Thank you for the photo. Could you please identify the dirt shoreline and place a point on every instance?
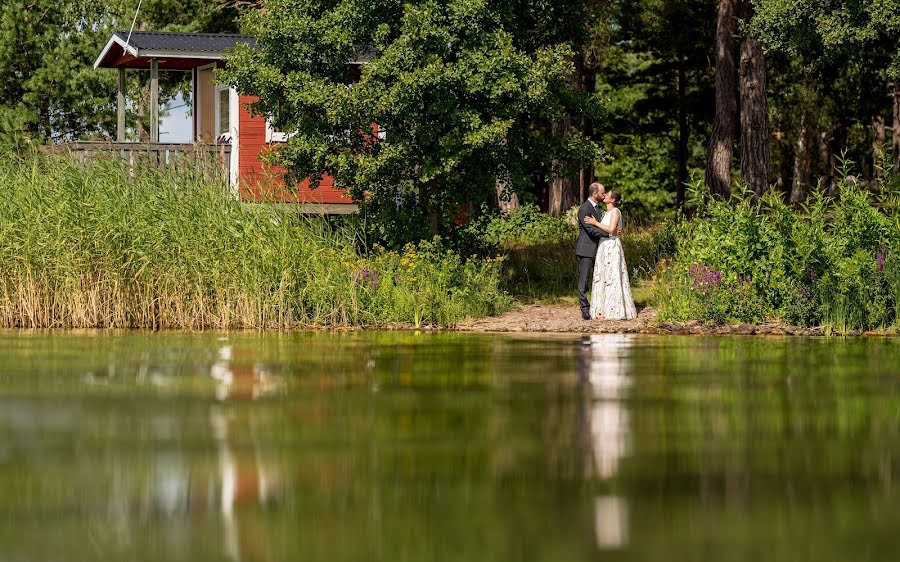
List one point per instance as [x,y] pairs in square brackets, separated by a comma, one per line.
[566,318]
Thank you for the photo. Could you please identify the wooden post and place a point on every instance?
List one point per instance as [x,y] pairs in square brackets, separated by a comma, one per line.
[120,108]
[154,100]
[195,116]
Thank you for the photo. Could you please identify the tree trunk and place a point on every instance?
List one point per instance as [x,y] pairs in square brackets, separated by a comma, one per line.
[718,157]
[588,78]
[755,118]
[507,199]
[564,190]
[827,158]
[802,162]
[568,191]
[878,135]
[683,138]
[896,128]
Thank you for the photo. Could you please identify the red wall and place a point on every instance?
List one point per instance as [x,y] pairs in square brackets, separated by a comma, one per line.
[258,180]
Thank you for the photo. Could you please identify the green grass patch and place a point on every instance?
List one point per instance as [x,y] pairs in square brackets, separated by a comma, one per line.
[539,255]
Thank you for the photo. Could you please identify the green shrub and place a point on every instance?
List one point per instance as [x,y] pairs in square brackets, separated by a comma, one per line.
[539,271]
[427,283]
[831,262]
[524,225]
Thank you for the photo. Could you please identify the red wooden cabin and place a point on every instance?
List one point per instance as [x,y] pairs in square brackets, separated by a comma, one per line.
[220,114]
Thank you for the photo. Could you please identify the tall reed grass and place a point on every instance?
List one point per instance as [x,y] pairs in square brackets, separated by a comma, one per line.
[104,245]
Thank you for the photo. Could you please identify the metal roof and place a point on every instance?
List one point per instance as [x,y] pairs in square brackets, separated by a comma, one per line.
[180,50]
[184,42]
[144,45]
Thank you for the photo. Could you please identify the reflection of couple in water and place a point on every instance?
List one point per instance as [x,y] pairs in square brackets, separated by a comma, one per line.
[606,430]
[602,259]
[606,424]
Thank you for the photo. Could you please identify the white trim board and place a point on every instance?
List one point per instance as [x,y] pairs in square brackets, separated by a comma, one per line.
[234,123]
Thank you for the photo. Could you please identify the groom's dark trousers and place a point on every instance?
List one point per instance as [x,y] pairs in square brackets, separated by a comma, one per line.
[586,250]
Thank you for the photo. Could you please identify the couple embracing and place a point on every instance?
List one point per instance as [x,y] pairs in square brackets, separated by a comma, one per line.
[601,258]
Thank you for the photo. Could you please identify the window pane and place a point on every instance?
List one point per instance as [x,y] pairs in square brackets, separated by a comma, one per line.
[224,125]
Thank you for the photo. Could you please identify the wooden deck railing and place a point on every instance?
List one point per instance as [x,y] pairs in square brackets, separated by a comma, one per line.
[151,154]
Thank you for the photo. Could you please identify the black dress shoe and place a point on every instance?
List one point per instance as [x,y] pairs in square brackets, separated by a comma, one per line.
[585,316]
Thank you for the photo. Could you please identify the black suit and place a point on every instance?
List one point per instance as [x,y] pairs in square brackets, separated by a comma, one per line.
[586,249]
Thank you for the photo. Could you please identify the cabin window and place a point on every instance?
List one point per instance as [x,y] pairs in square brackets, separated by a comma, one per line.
[273,134]
[223,107]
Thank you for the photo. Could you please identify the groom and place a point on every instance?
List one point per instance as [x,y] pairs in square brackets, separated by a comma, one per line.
[586,248]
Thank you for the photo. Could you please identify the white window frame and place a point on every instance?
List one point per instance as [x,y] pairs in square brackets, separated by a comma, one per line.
[274,136]
[217,103]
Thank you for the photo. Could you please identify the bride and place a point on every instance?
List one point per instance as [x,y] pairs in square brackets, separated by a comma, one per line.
[611,289]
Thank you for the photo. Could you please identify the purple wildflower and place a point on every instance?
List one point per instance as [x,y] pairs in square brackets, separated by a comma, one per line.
[361,274]
[705,278]
[368,275]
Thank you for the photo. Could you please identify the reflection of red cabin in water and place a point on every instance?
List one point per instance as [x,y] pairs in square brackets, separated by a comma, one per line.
[220,114]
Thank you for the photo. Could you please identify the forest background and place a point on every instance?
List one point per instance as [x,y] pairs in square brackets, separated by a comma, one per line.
[654,86]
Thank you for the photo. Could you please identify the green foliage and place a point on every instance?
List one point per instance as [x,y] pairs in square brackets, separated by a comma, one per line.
[643,170]
[49,89]
[100,245]
[523,226]
[653,73]
[540,271]
[832,32]
[539,250]
[832,64]
[833,262]
[428,283]
[463,91]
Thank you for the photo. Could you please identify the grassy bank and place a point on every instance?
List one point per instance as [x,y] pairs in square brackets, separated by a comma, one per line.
[99,245]
[539,254]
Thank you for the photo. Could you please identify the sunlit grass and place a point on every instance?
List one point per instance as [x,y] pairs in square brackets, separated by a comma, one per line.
[101,245]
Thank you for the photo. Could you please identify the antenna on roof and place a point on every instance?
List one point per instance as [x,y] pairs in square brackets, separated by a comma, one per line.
[136,12]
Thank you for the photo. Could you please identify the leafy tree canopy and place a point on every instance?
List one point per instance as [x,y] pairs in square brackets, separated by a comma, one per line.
[462,91]
[829,32]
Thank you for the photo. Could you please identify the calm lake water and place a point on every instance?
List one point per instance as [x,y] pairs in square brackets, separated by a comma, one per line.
[447,447]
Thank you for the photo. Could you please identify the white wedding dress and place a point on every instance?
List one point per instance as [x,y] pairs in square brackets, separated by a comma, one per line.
[611,289]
